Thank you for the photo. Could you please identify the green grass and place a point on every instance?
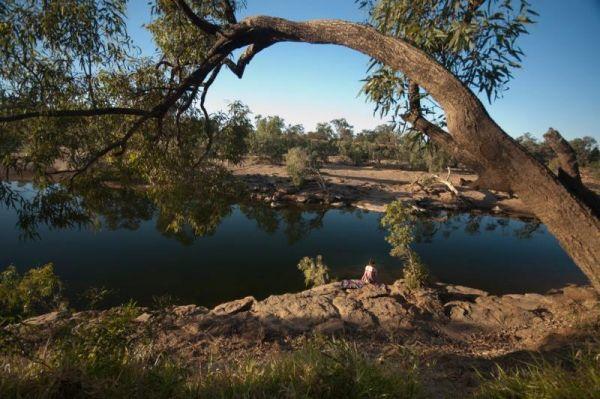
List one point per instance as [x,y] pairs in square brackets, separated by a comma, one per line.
[110,359]
[323,369]
[575,376]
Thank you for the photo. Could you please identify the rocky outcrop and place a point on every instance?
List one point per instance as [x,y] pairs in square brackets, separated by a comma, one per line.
[278,192]
[441,318]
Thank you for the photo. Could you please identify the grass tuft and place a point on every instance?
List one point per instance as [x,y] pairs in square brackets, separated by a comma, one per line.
[576,375]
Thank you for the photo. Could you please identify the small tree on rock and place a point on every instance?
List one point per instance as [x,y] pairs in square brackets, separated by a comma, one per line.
[315,271]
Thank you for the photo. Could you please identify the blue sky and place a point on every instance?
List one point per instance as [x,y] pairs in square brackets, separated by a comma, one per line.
[558,85]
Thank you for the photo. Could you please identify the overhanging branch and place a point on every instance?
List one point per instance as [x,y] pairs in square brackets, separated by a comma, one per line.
[253,49]
[201,23]
[229,12]
[74,113]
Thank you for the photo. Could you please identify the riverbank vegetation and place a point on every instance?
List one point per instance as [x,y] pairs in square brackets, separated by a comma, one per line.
[114,354]
[400,222]
[37,291]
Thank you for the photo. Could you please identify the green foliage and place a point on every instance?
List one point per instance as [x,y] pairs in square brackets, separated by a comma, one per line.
[77,55]
[315,271]
[321,142]
[268,141]
[415,272]
[95,296]
[99,345]
[540,150]
[300,165]
[37,291]
[193,207]
[400,223]
[50,49]
[297,165]
[107,358]
[322,369]
[586,149]
[574,376]
[234,129]
[475,40]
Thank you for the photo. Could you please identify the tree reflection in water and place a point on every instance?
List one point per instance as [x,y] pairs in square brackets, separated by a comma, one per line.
[186,210]
[446,223]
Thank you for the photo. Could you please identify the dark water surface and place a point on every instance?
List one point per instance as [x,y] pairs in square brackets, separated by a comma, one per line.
[254,251]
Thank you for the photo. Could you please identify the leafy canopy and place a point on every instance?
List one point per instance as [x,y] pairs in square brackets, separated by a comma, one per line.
[475,39]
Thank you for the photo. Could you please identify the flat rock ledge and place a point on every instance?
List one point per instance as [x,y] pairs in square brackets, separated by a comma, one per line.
[442,318]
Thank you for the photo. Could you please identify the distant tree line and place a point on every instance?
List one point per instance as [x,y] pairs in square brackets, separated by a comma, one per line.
[272,138]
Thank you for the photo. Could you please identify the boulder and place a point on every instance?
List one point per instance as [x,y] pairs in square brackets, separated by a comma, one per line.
[189,310]
[143,318]
[45,318]
[351,311]
[229,308]
[369,291]
[387,310]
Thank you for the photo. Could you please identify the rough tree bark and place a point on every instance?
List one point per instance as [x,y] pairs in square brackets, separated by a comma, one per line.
[568,165]
[568,169]
[472,135]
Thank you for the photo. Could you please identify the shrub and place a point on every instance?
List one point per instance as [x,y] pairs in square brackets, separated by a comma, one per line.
[400,224]
[93,297]
[298,165]
[314,270]
[36,292]
[415,273]
[104,358]
[268,140]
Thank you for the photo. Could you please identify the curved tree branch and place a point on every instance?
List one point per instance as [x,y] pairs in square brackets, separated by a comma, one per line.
[201,23]
[253,49]
[73,113]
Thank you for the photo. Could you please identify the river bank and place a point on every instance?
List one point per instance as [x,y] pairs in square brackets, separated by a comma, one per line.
[368,187]
[451,330]
[373,187]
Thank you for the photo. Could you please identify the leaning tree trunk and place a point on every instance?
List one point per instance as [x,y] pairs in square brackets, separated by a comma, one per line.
[473,136]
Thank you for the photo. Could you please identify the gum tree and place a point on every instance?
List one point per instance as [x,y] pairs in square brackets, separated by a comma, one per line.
[72,88]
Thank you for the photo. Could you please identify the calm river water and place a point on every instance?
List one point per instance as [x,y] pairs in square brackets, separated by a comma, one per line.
[254,251]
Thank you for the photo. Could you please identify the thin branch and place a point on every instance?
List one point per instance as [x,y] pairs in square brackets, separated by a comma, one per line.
[253,49]
[114,145]
[414,116]
[201,23]
[207,126]
[229,12]
[74,113]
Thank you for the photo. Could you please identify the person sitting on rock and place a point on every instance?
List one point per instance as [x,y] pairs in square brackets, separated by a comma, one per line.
[370,274]
[369,277]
